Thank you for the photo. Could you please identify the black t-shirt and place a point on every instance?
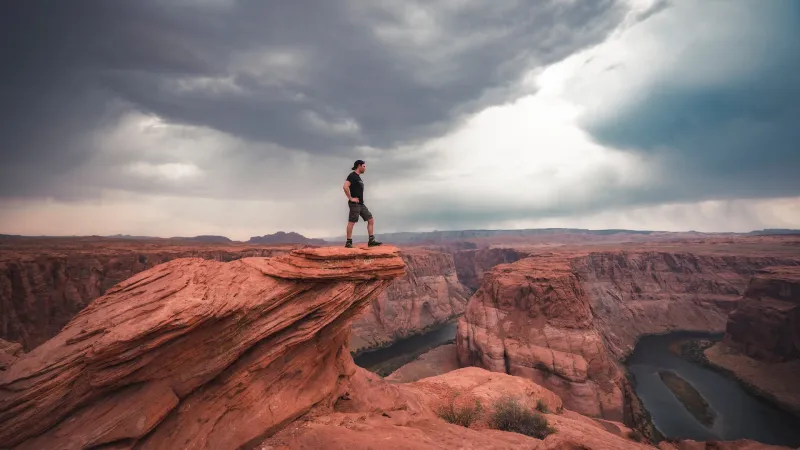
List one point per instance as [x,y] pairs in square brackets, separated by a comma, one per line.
[356,187]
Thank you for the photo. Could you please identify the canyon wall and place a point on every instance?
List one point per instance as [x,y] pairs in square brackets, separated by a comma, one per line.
[532,319]
[766,324]
[42,288]
[761,347]
[199,354]
[429,294]
[196,353]
[651,292]
[472,264]
[564,319]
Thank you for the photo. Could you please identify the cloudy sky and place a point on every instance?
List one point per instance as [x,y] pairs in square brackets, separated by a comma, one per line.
[242,118]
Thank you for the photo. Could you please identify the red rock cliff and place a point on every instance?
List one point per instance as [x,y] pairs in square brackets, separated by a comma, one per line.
[429,294]
[532,319]
[766,324]
[44,283]
[563,320]
[648,292]
[762,339]
[472,264]
[196,353]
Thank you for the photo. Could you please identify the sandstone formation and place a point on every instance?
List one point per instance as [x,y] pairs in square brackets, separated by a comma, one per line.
[196,353]
[428,295]
[374,414]
[762,339]
[9,352]
[634,293]
[253,353]
[472,264]
[564,318]
[45,282]
[438,361]
[532,318]
[766,324]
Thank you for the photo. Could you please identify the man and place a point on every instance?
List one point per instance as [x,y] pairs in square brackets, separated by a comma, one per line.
[354,190]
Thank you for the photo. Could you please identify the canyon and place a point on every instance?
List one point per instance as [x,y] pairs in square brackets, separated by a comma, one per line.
[45,282]
[428,295]
[761,347]
[565,318]
[254,353]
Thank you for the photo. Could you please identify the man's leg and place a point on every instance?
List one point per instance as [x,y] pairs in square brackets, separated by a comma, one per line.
[366,215]
[352,218]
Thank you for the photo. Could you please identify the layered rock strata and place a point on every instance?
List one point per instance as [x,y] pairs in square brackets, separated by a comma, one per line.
[45,284]
[533,319]
[196,353]
[564,319]
[637,293]
[9,352]
[472,264]
[761,346]
[428,295]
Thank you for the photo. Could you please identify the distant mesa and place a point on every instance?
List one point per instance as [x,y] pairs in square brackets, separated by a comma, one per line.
[285,238]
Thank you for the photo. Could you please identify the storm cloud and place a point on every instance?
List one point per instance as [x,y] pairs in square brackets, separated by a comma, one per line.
[323,77]
[242,117]
[720,119]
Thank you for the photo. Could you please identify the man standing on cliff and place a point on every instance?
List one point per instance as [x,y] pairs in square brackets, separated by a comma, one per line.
[354,190]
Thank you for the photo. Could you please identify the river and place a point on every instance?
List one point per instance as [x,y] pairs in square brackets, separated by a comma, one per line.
[386,360]
[739,414]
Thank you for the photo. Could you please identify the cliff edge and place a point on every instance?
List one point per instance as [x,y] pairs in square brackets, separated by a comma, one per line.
[196,353]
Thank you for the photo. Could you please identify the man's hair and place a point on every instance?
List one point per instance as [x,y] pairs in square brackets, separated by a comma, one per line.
[357,163]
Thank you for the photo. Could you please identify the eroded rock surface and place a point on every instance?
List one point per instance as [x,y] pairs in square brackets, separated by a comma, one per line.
[635,293]
[196,353]
[428,295]
[376,414]
[9,352]
[563,319]
[45,282]
[762,339]
[472,264]
[532,318]
[766,324]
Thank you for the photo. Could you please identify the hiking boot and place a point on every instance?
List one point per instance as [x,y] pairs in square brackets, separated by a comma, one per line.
[373,243]
[348,244]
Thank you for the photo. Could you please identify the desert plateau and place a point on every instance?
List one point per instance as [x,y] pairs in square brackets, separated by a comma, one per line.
[136,343]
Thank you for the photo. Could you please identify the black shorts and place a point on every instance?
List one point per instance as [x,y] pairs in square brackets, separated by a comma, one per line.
[357,209]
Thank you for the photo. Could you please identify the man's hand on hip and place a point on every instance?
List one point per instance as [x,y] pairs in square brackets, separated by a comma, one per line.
[354,199]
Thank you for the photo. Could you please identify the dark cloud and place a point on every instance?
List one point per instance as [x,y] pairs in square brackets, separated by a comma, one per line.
[321,77]
[735,137]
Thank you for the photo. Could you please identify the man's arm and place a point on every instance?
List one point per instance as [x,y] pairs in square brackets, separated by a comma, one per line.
[347,192]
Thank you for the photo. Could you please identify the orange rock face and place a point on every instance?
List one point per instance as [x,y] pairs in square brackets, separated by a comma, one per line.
[196,353]
[45,282]
[472,264]
[533,319]
[376,414]
[429,294]
[563,319]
